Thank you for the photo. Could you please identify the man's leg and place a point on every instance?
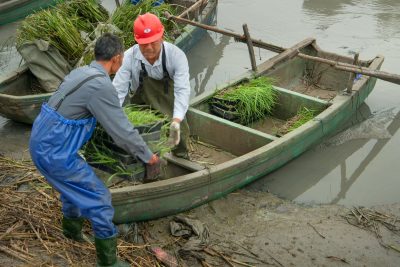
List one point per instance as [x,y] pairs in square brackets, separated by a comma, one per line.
[182,149]
[82,189]
[72,222]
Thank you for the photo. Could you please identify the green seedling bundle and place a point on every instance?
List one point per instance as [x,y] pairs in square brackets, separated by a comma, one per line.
[246,102]
[303,115]
[103,153]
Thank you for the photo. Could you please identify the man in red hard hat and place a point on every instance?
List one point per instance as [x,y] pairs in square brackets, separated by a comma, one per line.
[157,74]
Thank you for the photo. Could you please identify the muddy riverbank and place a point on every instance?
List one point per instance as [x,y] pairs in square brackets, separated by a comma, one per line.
[244,229]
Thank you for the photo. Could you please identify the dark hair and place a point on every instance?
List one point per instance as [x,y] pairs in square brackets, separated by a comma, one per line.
[108,46]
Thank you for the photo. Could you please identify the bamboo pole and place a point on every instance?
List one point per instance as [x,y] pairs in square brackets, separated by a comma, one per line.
[389,77]
[250,47]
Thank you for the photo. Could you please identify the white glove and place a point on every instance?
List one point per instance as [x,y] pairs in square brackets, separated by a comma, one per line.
[174,133]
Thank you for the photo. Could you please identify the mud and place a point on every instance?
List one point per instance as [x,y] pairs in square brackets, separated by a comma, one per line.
[272,231]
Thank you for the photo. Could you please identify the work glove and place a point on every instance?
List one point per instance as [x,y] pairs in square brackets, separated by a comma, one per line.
[153,168]
[174,133]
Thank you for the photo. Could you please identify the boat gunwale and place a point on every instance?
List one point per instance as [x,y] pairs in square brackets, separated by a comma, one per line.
[260,155]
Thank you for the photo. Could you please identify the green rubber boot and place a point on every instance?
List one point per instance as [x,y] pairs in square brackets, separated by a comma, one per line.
[72,228]
[106,250]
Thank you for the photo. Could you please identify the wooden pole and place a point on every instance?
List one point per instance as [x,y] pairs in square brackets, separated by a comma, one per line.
[352,75]
[237,37]
[250,47]
[389,77]
[117,3]
[193,7]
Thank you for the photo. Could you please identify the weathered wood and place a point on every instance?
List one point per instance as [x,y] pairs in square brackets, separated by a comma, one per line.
[352,75]
[187,164]
[238,37]
[393,78]
[192,8]
[250,47]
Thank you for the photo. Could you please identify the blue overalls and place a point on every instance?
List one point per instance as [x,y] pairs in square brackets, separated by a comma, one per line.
[54,146]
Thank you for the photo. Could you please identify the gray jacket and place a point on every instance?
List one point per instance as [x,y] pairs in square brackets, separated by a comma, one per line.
[98,98]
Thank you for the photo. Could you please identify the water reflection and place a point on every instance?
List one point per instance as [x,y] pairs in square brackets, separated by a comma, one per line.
[325,8]
[202,68]
[302,179]
[347,182]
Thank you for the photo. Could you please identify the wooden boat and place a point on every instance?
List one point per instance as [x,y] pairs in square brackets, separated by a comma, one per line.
[20,93]
[13,10]
[242,154]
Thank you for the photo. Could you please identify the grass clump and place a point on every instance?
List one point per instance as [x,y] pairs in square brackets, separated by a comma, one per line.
[84,13]
[61,26]
[55,27]
[303,115]
[102,152]
[249,101]
[142,115]
[124,16]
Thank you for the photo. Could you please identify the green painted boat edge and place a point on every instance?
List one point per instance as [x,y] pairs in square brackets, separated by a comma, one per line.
[175,195]
[25,108]
[21,9]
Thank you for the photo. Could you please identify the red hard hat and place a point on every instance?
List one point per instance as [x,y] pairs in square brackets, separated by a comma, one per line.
[147,28]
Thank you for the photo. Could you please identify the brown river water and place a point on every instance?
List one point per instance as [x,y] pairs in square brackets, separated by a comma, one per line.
[358,166]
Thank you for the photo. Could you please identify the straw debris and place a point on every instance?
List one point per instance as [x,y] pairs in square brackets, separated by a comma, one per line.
[30,224]
[372,220]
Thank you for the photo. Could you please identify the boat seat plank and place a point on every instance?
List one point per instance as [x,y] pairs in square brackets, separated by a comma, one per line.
[229,136]
[187,164]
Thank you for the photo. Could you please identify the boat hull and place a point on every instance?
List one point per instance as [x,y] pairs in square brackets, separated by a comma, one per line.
[175,195]
[13,10]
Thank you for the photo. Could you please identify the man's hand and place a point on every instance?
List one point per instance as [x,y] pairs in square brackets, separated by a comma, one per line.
[153,168]
[175,132]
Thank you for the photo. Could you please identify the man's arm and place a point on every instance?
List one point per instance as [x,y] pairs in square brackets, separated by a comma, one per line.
[124,76]
[104,106]
[181,85]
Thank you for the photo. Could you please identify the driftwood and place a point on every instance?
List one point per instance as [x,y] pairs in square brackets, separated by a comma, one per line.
[390,77]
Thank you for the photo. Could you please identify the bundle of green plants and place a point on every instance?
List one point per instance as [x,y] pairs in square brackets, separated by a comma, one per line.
[55,27]
[303,115]
[143,115]
[84,13]
[61,26]
[124,16]
[140,115]
[98,154]
[249,101]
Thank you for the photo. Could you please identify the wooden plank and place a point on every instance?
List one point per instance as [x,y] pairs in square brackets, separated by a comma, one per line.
[187,164]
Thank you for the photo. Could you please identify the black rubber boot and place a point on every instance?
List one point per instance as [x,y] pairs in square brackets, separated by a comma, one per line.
[72,228]
[106,250]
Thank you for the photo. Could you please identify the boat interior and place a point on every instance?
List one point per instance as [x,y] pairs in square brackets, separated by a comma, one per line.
[22,84]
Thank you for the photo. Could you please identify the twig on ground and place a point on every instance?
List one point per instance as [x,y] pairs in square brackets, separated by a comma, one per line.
[313,227]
